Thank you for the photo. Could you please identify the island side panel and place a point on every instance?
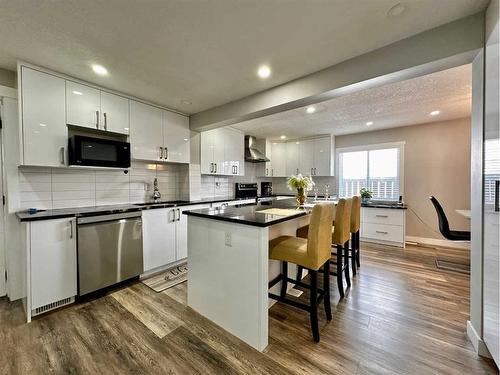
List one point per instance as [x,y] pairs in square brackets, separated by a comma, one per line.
[228,278]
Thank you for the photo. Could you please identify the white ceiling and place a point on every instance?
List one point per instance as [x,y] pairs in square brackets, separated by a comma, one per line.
[399,104]
[204,51]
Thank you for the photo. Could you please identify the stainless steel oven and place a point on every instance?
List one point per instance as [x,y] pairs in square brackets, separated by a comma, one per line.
[98,152]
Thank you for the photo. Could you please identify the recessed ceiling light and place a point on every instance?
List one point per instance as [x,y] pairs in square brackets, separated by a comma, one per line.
[186,102]
[283,137]
[185,139]
[311,109]
[369,123]
[43,125]
[264,71]
[127,129]
[99,69]
[396,10]
[435,113]
[77,93]
[297,143]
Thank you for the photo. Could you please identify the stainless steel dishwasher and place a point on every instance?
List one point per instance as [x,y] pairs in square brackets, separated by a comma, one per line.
[109,250]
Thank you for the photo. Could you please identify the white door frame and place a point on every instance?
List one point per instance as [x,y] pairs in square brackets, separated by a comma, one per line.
[3,260]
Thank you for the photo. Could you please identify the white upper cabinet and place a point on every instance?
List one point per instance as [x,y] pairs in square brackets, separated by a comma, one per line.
[218,148]
[176,135]
[146,131]
[83,106]
[278,162]
[92,108]
[323,160]
[45,134]
[292,158]
[114,113]
[306,159]
[234,152]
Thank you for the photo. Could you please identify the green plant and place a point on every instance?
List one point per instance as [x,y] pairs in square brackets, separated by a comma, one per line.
[365,193]
[300,182]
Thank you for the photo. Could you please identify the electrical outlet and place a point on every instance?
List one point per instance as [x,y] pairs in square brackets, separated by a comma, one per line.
[228,239]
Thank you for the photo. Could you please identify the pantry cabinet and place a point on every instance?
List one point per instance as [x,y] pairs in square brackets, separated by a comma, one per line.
[43,119]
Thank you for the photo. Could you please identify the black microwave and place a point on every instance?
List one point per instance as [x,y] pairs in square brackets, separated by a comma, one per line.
[98,152]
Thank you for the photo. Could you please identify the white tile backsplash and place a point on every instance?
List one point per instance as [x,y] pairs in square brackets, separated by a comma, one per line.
[46,188]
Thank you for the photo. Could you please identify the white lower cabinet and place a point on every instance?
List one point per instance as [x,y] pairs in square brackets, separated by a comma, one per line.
[164,235]
[158,237]
[53,270]
[383,225]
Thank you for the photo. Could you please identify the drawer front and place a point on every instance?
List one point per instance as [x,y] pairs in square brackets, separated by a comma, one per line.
[393,233]
[382,216]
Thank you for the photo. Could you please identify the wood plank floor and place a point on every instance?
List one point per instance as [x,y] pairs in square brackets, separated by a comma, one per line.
[401,316]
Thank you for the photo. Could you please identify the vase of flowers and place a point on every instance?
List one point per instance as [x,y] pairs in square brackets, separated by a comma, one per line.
[366,195]
[302,185]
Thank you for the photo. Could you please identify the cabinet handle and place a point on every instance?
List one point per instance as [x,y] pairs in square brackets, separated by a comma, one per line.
[171,217]
[315,171]
[179,212]
[61,156]
[161,152]
[211,167]
[215,167]
[105,121]
[297,171]
[381,232]
[272,172]
[71,229]
[385,216]
[497,193]
[166,153]
[97,119]
[267,172]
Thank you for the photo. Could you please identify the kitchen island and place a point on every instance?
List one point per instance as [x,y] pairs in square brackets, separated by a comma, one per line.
[229,266]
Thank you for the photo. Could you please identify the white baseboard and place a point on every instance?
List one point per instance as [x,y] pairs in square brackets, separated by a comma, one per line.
[438,242]
[477,342]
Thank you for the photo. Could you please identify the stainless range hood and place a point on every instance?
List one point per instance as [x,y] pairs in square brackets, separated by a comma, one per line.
[252,154]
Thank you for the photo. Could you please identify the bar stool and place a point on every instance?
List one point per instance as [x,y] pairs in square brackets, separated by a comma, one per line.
[355,225]
[340,239]
[311,253]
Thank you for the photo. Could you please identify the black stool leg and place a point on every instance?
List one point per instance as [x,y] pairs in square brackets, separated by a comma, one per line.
[298,278]
[340,282]
[353,254]
[314,305]
[284,283]
[357,249]
[346,268]
[326,288]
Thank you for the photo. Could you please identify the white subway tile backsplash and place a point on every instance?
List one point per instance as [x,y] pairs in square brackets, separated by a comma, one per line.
[46,188]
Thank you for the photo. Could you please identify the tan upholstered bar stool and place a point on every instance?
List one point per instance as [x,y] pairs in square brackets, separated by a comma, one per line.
[355,225]
[311,253]
[339,239]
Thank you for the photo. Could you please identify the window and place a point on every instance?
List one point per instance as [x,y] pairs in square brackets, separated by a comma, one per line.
[376,167]
[491,168]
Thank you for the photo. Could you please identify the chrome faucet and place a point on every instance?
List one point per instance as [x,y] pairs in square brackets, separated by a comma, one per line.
[156,191]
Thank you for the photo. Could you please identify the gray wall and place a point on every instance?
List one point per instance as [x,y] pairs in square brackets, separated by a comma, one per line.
[436,162]
[7,78]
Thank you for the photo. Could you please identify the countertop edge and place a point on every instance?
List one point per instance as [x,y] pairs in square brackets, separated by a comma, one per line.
[244,222]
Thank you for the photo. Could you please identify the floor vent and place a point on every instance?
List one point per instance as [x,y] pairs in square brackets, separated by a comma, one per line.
[52,306]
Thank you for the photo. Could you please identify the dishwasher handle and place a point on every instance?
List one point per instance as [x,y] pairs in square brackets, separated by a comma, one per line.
[110,217]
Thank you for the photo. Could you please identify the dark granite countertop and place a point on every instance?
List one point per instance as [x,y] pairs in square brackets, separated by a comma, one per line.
[251,215]
[111,209]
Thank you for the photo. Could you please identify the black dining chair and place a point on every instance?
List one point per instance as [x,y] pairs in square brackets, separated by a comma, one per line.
[444,226]
[450,263]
